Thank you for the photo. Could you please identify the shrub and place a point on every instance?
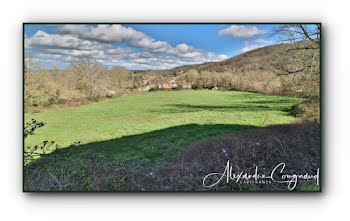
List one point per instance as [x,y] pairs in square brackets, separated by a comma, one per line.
[307,110]
[196,86]
[32,153]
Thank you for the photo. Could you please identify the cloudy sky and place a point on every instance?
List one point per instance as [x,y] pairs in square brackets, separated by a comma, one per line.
[143,46]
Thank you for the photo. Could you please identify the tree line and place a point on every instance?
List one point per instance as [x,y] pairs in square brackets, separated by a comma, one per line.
[291,68]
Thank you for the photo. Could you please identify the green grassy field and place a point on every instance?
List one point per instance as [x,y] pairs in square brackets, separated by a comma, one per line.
[151,127]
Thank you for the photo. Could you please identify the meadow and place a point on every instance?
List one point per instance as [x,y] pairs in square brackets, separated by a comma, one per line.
[160,121]
[109,145]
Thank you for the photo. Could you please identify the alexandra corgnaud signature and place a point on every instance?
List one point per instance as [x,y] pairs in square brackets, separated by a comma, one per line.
[275,176]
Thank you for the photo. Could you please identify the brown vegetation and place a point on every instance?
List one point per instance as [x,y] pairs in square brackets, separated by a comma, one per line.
[296,145]
[83,81]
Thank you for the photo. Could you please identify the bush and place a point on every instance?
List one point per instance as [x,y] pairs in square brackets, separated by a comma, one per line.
[196,86]
[307,110]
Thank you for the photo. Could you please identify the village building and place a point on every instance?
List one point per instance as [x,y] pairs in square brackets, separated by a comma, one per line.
[166,86]
[186,85]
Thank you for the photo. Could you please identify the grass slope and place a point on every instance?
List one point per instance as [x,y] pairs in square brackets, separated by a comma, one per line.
[159,123]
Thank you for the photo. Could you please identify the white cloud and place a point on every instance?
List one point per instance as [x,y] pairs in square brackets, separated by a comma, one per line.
[150,43]
[114,33]
[72,41]
[221,57]
[257,43]
[150,60]
[101,33]
[45,40]
[77,30]
[136,39]
[186,51]
[263,41]
[117,51]
[242,31]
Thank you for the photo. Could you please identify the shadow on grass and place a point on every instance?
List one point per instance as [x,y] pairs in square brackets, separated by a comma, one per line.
[132,164]
[246,107]
[148,148]
[272,102]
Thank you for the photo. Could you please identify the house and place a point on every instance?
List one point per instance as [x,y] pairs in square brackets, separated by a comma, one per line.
[186,85]
[166,86]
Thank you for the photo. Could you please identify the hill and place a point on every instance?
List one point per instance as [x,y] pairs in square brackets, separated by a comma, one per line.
[262,70]
[260,57]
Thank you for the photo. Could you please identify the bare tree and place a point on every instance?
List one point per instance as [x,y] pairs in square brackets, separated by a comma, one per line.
[192,76]
[120,78]
[87,71]
[292,33]
[297,61]
[31,79]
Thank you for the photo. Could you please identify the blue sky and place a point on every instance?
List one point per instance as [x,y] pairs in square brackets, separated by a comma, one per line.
[144,46]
